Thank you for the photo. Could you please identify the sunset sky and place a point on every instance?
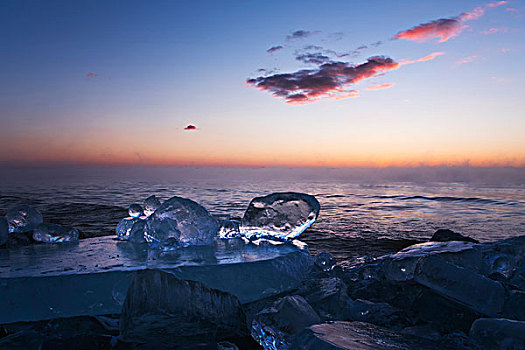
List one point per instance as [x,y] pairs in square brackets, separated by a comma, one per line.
[262,83]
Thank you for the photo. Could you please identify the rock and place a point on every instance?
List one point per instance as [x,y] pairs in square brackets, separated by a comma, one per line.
[356,336]
[23,340]
[160,308]
[324,261]
[53,233]
[274,327]
[328,296]
[381,314]
[23,218]
[458,341]
[279,216]
[499,333]
[475,291]
[151,204]
[180,222]
[4,231]
[426,331]
[445,235]
[135,211]
[514,307]
[401,266]
[444,314]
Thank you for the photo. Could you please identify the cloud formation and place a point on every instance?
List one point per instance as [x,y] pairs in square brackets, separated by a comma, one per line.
[274,49]
[190,127]
[300,34]
[494,30]
[381,86]
[467,59]
[329,80]
[90,75]
[314,58]
[445,28]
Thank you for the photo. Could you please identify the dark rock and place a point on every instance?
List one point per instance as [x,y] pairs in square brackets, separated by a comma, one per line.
[23,340]
[477,292]
[328,296]
[161,309]
[499,333]
[445,235]
[458,341]
[274,327]
[426,331]
[381,314]
[356,336]
[514,307]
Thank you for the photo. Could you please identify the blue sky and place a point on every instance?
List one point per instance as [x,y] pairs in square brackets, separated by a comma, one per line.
[117,82]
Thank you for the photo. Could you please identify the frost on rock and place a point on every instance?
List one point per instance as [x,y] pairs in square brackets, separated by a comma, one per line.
[4,230]
[151,204]
[53,233]
[180,222]
[280,216]
[23,218]
[135,211]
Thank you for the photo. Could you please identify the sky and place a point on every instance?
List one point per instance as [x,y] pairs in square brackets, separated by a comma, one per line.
[267,83]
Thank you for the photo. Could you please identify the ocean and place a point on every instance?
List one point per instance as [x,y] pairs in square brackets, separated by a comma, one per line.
[359,217]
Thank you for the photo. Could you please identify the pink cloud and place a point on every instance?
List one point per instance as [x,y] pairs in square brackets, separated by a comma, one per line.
[495,30]
[445,28]
[90,75]
[190,127]
[381,86]
[467,59]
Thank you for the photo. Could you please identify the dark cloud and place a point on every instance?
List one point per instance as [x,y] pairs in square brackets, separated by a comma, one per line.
[313,58]
[328,80]
[190,127]
[376,44]
[274,49]
[300,34]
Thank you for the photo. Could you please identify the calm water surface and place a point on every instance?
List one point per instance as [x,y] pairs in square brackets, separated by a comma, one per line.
[356,218]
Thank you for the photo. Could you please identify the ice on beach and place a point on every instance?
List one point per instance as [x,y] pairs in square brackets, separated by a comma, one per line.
[53,233]
[23,218]
[324,261]
[92,277]
[135,211]
[4,230]
[229,229]
[151,204]
[124,227]
[280,216]
[180,222]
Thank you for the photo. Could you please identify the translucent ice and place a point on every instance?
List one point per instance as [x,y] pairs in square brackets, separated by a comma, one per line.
[151,204]
[180,222]
[4,230]
[229,228]
[23,218]
[280,216]
[125,226]
[53,233]
[135,211]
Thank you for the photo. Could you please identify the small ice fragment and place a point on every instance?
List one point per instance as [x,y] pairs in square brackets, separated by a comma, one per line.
[281,216]
[324,261]
[180,222]
[53,233]
[151,204]
[229,228]
[124,227]
[135,211]
[23,218]
[4,230]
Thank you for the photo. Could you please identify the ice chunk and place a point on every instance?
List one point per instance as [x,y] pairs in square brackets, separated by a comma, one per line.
[53,233]
[151,204]
[162,309]
[4,231]
[280,216]
[475,291]
[445,235]
[324,261]
[180,222]
[328,297]
[125,226]
[229,228]
[23,218]
[274,326]
[135,211]
[91,278]
[499,333]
